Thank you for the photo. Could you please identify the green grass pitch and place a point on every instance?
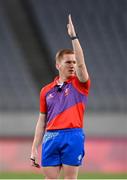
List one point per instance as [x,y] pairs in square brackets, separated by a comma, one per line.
[17,175]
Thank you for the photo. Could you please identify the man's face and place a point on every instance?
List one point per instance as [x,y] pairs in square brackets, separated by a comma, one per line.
[67,65]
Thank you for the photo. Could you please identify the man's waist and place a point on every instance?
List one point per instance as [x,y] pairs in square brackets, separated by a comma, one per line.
[65,130]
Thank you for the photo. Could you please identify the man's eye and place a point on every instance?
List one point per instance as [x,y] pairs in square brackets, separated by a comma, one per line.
[69,62]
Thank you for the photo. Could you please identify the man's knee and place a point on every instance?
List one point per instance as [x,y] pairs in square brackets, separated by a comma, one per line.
[70,176]
[51,176]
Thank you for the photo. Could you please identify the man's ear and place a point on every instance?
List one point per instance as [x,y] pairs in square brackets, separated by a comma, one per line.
[57,66]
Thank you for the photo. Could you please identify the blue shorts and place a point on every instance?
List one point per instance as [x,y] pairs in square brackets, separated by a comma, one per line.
[63,147]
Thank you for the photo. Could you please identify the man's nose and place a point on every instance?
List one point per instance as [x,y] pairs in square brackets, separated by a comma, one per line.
[71,64]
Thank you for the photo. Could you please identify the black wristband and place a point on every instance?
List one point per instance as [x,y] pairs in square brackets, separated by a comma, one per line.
[74,37]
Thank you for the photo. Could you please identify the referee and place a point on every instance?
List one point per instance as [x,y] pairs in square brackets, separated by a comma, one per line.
[62,105]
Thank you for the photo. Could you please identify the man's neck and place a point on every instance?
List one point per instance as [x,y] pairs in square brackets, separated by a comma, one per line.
[61,79]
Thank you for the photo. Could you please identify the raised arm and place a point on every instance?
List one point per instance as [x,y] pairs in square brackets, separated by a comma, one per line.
[39,132]
[81,70]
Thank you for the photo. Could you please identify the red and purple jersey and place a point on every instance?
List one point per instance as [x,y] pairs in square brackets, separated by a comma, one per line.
[64,107]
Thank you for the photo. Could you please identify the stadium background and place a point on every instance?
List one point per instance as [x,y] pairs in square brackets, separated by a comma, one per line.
[31,32]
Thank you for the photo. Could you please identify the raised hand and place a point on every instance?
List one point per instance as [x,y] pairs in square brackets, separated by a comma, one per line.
[70,27]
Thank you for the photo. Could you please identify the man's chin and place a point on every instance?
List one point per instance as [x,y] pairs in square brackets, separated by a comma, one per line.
[71,75]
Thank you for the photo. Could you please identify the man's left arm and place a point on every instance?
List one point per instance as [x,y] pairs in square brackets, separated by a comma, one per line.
[81,70]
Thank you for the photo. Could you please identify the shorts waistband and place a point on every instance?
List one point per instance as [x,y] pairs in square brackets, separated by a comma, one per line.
[66,130]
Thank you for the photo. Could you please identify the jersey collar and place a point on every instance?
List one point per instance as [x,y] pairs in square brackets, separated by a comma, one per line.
[67,81]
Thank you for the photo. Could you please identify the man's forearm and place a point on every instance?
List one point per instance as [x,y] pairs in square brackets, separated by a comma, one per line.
[37,138]
[81,69]
[39,132]
[78,52]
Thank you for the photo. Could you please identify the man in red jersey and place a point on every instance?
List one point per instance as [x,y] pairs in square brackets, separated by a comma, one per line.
[62,107]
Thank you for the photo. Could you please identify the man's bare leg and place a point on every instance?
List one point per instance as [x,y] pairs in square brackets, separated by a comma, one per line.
[70,172]
[51,172]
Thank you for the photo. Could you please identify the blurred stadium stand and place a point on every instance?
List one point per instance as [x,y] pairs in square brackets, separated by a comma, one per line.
[22,60]
[33,31]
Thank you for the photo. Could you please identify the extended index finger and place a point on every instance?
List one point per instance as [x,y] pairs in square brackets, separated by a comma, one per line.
[70,20]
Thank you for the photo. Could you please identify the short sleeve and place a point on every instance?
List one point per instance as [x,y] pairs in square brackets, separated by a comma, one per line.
[43,108]
[82,87]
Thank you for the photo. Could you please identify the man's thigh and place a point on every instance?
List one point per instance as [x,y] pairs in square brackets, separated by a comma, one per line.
[70,172]
[51,172]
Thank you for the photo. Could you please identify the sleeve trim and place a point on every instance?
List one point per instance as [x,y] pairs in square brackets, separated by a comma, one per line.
[43,112]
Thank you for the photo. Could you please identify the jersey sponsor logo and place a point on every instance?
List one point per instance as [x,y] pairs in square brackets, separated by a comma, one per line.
[66,91]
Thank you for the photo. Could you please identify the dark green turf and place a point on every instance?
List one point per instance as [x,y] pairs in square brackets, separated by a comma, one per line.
[81,176]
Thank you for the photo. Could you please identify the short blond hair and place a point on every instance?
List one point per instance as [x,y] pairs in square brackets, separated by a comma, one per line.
[61,53]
